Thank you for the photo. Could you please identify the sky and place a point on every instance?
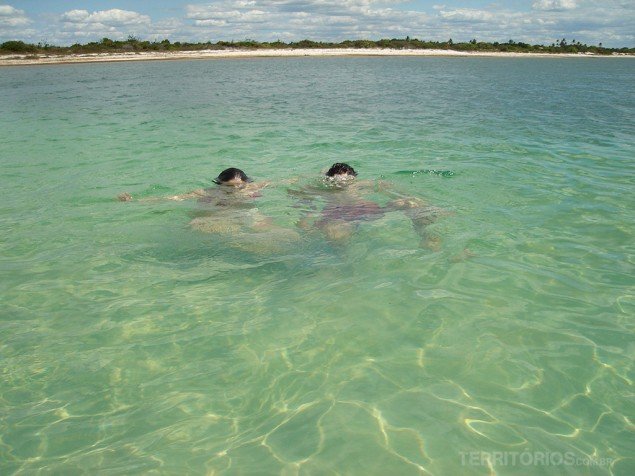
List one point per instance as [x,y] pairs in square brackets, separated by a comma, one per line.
[65,22]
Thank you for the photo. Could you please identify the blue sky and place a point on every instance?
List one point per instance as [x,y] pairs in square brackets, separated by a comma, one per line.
[64,22]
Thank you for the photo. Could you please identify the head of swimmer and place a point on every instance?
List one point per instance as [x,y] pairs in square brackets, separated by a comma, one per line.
[341,172]
[232,177]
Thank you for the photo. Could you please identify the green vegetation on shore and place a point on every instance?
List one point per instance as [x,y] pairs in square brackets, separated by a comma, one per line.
[133,44]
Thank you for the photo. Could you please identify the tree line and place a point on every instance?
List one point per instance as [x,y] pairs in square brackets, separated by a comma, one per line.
[133,44]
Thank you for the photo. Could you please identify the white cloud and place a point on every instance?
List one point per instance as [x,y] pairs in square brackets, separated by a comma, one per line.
[554,5]
[119,17]
[11,17]
[374,19]
[315,19]
[76,16]
[467,15]
[589,21]
[111,17]
[81,25]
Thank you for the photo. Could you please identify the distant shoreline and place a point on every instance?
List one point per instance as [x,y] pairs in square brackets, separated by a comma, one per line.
[34,59]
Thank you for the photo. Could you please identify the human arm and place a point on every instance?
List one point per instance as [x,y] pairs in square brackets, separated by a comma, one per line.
[127,197]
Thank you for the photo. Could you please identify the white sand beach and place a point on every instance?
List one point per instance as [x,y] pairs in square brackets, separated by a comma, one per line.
[18,60]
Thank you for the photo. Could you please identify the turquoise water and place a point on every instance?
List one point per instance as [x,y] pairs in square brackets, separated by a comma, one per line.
[133,344]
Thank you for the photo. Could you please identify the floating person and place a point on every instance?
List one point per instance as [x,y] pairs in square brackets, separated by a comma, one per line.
[230,209]
[233,181]
[346,206]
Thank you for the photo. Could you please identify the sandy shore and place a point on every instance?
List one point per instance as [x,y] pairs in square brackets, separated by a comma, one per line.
[19,60]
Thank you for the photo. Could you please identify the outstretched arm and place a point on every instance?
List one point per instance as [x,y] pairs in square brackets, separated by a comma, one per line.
[189,195]
[126,197]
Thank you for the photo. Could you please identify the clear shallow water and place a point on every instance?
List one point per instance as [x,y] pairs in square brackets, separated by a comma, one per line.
[134,344]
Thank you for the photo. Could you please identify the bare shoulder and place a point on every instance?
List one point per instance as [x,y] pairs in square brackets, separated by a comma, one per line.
[256,186]
[378,185]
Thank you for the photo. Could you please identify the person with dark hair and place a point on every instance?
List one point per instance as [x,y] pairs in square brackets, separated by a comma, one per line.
[340,170]
[346,207]
[231,177]
[230,209]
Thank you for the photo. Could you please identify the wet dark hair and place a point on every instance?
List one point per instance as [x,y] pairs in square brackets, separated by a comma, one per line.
[231,174]
[340,169]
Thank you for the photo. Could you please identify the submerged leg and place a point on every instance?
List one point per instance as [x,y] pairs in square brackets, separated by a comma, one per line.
[337,231]
[421,219]
[421,216]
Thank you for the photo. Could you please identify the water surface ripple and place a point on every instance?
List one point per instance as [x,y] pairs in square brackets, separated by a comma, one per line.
[133,344]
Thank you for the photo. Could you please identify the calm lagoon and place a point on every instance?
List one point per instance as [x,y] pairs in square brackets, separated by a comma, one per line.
[133,344]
